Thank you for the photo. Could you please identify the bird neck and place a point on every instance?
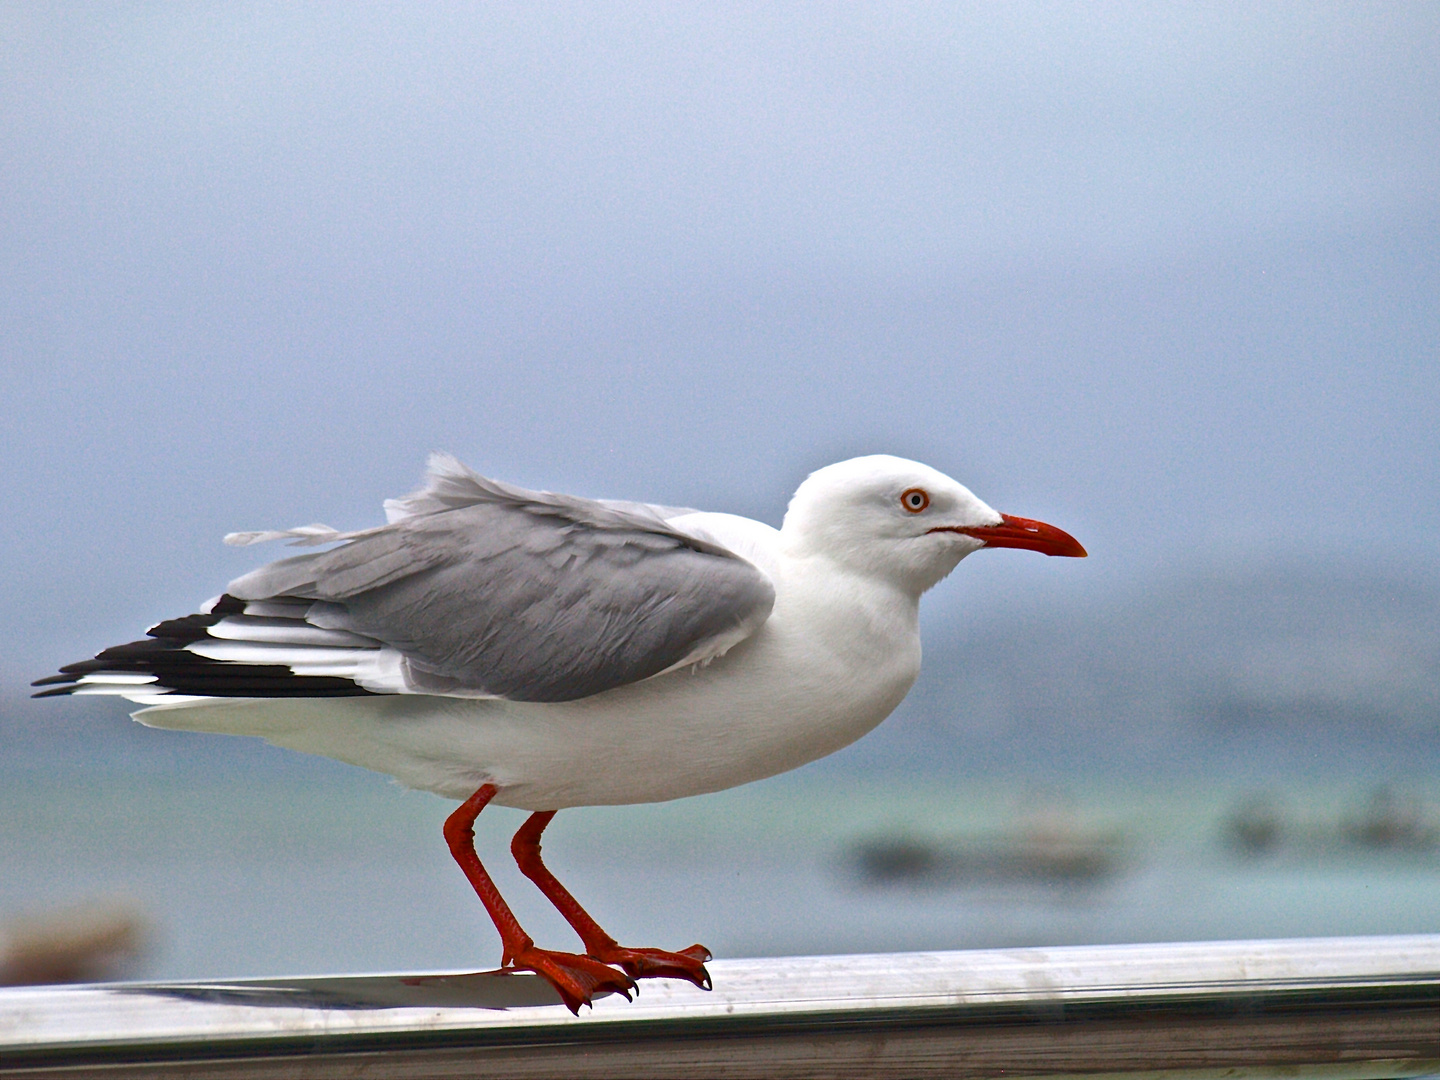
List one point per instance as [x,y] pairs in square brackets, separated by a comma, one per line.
[847,600]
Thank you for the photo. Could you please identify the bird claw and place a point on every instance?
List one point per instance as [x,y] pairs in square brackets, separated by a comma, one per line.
[687,964]
[577,979]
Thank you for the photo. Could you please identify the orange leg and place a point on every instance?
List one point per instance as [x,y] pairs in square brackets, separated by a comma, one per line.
[576,978]
[638,963]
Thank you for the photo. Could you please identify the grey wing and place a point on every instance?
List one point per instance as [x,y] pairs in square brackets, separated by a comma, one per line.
[486,589]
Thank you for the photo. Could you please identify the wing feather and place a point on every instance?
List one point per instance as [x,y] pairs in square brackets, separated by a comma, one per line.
[472,588]
[490,589]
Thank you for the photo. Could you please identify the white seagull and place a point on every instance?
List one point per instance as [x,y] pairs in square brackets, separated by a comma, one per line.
[542,651]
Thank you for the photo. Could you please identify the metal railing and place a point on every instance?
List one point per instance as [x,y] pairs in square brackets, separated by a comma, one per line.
[1339,1008]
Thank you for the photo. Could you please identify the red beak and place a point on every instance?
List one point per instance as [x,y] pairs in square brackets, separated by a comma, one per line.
[1018,532]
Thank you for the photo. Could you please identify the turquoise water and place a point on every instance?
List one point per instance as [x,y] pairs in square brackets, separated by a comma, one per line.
[251,871]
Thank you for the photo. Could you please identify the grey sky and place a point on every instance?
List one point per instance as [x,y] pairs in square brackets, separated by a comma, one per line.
[1165,275]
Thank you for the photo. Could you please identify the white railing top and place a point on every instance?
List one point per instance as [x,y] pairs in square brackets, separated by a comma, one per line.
[42,1026]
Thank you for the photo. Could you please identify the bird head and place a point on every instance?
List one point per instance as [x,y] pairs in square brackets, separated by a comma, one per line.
[887,516]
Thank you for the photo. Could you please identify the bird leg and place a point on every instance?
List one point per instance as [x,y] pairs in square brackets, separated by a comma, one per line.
[688,964]
[576,978]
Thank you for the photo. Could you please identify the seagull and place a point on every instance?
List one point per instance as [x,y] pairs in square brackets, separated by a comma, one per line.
[544,651]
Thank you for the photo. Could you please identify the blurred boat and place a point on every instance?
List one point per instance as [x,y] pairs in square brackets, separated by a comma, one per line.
[1389,821]
[1046,847]
[1256,826]
[92,942]
[1394,821]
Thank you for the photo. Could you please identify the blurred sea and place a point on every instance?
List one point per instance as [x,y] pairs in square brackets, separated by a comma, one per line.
[1252,756]
[271,866]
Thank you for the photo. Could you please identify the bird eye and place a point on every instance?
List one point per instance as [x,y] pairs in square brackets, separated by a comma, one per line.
[915,500]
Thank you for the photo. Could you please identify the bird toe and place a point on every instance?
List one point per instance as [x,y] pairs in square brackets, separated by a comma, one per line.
[577,979]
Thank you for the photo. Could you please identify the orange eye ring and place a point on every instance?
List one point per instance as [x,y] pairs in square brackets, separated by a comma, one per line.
[915,500]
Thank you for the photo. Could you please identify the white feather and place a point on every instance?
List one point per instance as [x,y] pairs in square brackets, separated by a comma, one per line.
[246,652]
[304,535]
[296,633]
[158,697]
[283,608]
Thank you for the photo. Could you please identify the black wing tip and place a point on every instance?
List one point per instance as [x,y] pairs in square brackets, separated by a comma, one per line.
[163,654]
[188,628]
[54,691]
[228,605]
